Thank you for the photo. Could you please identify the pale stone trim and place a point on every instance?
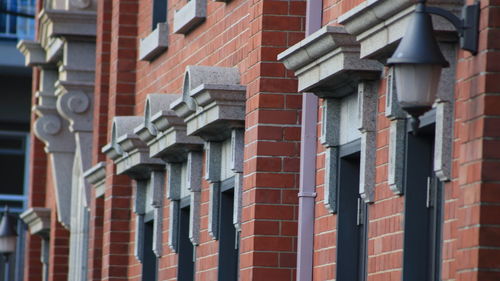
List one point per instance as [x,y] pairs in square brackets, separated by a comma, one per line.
[38,221]
[97,177]
[190,16]
[155,43]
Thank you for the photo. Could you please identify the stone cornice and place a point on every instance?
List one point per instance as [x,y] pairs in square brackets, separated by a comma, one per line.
[327,63]
[38,221]
[171,142]
[212,103]
[128,151]
[69,23]
[379,24]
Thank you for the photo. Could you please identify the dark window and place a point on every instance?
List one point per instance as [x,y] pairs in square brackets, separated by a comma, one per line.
[185,266]
[150,261]
[16,18]
[352,217]
[159,12]
[12,169]
[228,242]
[423,210]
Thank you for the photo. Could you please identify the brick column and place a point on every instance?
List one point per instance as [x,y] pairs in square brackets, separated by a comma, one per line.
[270,202]
[117,224]
[478,131]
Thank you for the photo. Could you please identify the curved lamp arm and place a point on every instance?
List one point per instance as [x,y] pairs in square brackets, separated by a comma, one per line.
[467,26]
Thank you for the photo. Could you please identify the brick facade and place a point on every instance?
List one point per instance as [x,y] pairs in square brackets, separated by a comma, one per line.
[249,36]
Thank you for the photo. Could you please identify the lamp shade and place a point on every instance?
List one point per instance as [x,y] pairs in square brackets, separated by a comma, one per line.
[8,235]
[418,62]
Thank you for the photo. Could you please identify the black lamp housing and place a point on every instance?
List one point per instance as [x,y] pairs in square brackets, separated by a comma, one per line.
[418,59]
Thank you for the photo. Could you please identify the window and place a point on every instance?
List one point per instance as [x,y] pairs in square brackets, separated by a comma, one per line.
[16,18]
[159,12]
[228,240]
[185,266]
[352,217]
[13,169]
[150,261]
[423,209]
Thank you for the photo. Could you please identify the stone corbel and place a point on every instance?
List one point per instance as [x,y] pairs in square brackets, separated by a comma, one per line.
[59,142]
[38,221]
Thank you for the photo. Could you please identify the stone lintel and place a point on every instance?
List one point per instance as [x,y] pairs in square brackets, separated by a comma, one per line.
[38,221]
[327,63]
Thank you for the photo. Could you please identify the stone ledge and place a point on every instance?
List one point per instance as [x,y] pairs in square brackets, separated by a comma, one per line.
[69,23]
[154,44]
[190,16]
[96,176]
[34,54]
[38,220]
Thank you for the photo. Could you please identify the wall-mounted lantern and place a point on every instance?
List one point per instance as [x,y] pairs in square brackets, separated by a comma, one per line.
[418,61]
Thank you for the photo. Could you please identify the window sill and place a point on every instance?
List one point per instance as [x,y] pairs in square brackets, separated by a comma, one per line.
[190,16]
[154,44]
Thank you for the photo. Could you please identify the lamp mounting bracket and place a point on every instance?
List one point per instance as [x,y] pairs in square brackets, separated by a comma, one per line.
[467,26]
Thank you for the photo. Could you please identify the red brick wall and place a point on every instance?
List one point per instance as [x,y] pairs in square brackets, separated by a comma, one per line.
[272,142]
[476,192]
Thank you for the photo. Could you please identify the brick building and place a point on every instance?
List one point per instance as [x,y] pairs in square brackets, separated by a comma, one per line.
[257,140]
